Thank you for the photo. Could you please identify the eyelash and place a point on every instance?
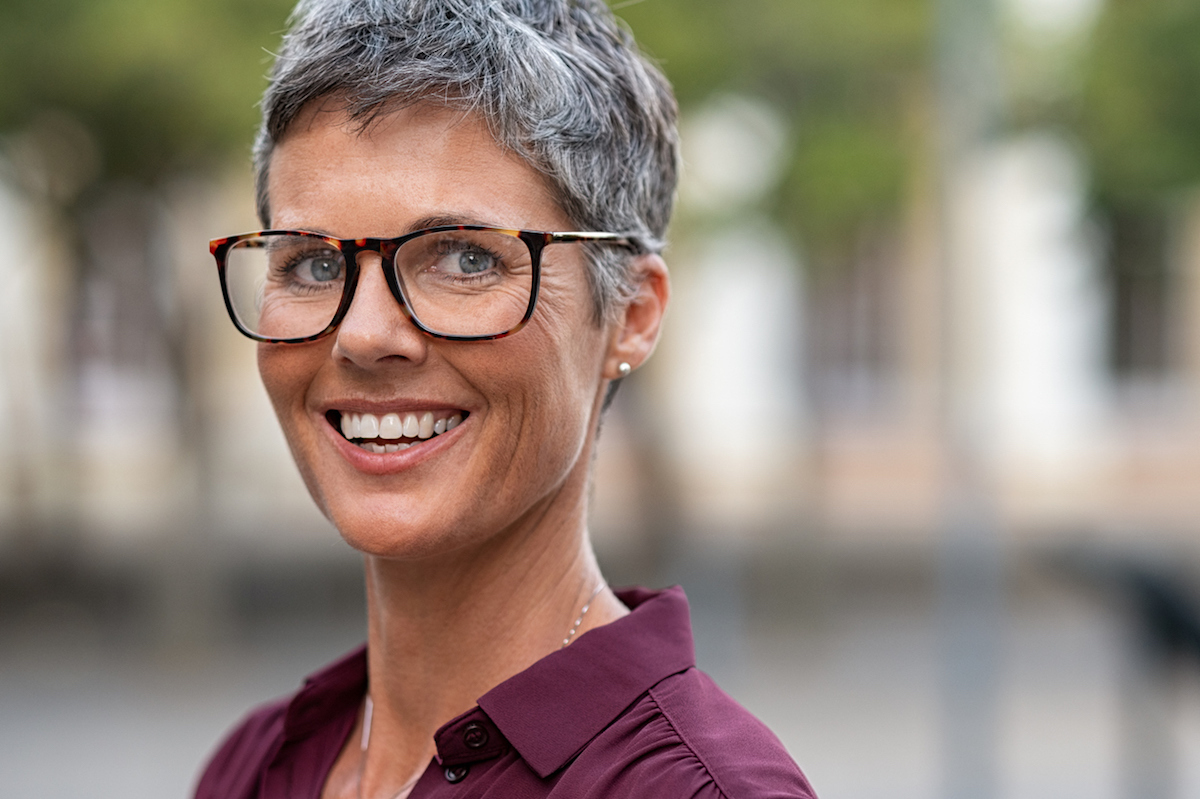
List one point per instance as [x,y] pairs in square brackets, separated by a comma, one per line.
[449,248]
[290,266]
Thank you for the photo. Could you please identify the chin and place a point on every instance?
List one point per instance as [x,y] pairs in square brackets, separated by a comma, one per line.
[398,534]
[389,538]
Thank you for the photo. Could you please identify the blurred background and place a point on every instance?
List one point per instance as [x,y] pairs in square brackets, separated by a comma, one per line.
[942,258]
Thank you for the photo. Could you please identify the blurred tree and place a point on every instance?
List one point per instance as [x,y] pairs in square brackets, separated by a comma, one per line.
[1138,119]
[159,85]
[1139,116]
[851,77]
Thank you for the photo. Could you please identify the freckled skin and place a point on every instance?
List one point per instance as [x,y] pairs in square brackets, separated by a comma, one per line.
[532,397]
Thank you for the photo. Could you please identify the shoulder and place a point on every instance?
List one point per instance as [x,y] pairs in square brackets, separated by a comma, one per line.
[688,738]
[314,722]
[742,756]
[237,765]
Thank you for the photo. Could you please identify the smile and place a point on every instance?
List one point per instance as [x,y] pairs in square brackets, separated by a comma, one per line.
[393,432]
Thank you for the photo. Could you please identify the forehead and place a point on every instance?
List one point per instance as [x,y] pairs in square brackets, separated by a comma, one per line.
[412,164]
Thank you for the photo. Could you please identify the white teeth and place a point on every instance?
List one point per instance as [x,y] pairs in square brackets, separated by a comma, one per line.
[381,449]
[390,426]
[368,426]
[358,426]
[411,426]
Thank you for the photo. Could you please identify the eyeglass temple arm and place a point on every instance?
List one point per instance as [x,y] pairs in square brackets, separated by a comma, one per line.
[629,239]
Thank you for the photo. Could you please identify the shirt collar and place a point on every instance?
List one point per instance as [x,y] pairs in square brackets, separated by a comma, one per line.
[550,711]
[334,691]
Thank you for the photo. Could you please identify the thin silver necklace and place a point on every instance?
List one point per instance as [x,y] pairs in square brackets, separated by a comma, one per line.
[369,707]
[368,715]
[586,606]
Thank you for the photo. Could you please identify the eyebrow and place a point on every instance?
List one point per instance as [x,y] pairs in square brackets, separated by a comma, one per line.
[446,219]
[437,220]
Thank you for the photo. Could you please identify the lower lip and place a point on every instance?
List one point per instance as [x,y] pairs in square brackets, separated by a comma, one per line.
[391,462]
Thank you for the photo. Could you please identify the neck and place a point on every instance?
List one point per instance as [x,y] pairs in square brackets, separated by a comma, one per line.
[443,631]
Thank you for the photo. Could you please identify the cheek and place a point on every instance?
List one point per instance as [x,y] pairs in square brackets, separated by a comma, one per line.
[287,372]
[561,381]
[278,372]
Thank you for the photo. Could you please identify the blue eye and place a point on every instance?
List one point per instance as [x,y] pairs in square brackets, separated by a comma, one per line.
[319,268]
[471,262]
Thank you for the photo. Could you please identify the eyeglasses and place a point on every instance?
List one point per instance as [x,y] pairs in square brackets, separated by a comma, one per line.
[456,282]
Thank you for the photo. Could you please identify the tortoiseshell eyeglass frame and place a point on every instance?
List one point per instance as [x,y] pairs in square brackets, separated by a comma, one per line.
[535,240]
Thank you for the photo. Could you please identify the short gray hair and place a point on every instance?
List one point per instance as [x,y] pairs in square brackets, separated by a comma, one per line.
[558,82]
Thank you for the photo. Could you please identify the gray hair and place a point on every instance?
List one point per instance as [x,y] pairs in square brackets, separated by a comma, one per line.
[558,82]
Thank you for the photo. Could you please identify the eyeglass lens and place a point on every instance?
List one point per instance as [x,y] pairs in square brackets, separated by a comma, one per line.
[455,283]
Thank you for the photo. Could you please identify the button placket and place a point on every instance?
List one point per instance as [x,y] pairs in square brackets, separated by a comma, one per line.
[469,740]
[475,736]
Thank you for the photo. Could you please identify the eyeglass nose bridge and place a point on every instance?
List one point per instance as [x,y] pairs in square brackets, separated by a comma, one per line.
[352,250]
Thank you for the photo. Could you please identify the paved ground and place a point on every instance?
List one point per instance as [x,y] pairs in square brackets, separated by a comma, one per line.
[851,687]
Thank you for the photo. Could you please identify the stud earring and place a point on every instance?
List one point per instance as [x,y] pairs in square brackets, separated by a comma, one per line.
[625,369]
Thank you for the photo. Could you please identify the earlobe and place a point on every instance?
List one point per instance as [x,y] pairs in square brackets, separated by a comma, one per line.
[636,335]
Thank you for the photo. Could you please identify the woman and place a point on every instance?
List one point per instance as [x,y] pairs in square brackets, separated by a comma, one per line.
[441,387]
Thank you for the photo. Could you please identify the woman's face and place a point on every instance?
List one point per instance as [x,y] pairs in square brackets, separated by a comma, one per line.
[527,402]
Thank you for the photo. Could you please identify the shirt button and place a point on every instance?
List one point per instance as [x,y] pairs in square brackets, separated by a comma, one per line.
[456,773]
[475,736]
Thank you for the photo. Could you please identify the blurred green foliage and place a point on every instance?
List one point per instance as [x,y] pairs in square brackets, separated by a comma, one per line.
[1139,113]
[851,77]
[160,84]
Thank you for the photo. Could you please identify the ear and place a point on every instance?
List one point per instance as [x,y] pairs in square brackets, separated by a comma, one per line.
[636,332]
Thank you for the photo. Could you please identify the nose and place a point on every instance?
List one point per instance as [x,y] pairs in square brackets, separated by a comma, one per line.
[375,329]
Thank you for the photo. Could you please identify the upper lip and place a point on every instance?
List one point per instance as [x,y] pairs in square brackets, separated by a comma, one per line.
[399,405]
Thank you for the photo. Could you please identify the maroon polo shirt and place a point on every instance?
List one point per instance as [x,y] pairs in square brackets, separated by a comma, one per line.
[621,712]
